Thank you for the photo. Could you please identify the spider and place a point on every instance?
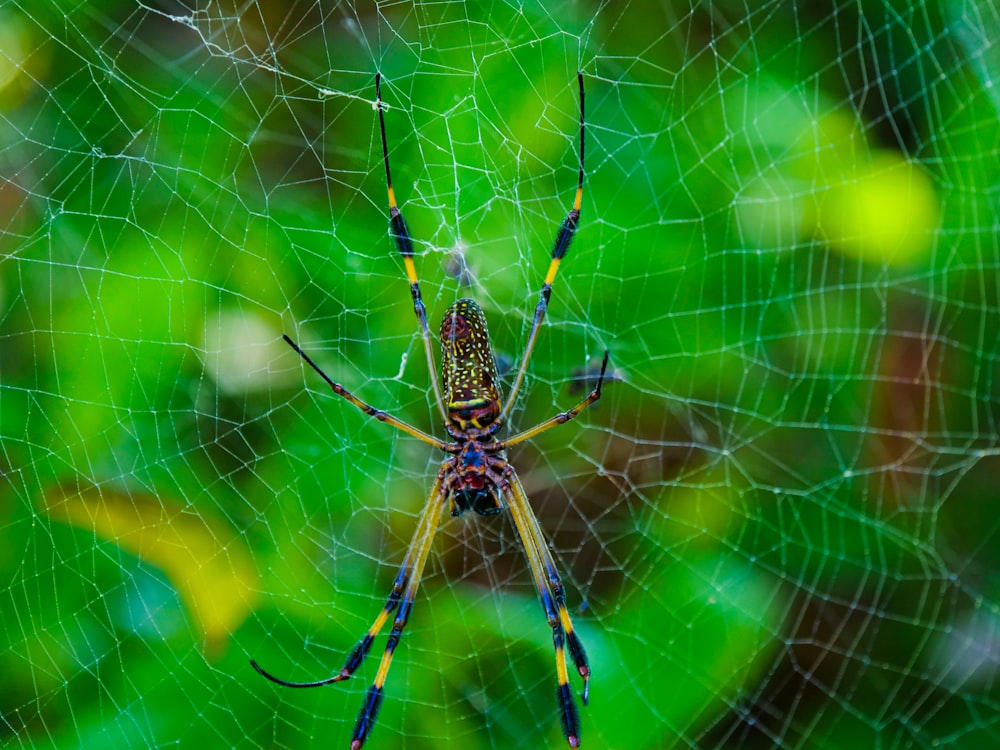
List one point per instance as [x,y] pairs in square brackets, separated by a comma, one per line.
[475,474]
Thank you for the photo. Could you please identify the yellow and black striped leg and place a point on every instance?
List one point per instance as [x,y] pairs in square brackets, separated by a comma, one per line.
[553,598]
[409,575]
[404,590]
[576,650]
[360,651]
[404,243]
[371,411]
[567,230]
[559,418]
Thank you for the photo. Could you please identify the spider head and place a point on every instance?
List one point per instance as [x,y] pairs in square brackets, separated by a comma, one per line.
[468,368]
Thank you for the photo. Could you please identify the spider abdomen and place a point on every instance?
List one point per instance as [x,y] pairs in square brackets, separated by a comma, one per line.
[468,368]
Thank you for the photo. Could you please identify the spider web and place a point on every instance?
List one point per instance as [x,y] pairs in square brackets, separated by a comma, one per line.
[777,528]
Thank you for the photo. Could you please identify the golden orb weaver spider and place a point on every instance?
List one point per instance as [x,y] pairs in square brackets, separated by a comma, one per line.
[475,474]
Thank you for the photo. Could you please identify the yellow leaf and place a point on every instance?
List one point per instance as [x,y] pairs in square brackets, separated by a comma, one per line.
[204,559]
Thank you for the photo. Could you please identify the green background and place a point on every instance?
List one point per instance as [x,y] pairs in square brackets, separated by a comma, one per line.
[778,527]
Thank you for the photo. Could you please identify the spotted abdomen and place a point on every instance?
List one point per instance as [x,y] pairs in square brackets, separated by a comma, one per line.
[468,369]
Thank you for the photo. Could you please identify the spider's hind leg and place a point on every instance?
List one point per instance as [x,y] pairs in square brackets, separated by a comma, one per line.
[552,595]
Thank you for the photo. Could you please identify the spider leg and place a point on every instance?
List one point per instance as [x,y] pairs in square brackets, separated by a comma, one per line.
[404,590]
[409,579]
[553,598]
[558,418]
[404,243]
[371,411]
[567,230]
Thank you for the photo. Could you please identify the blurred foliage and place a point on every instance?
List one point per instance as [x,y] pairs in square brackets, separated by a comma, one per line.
[777,525]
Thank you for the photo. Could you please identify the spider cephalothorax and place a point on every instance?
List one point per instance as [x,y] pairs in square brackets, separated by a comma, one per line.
[474,474]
